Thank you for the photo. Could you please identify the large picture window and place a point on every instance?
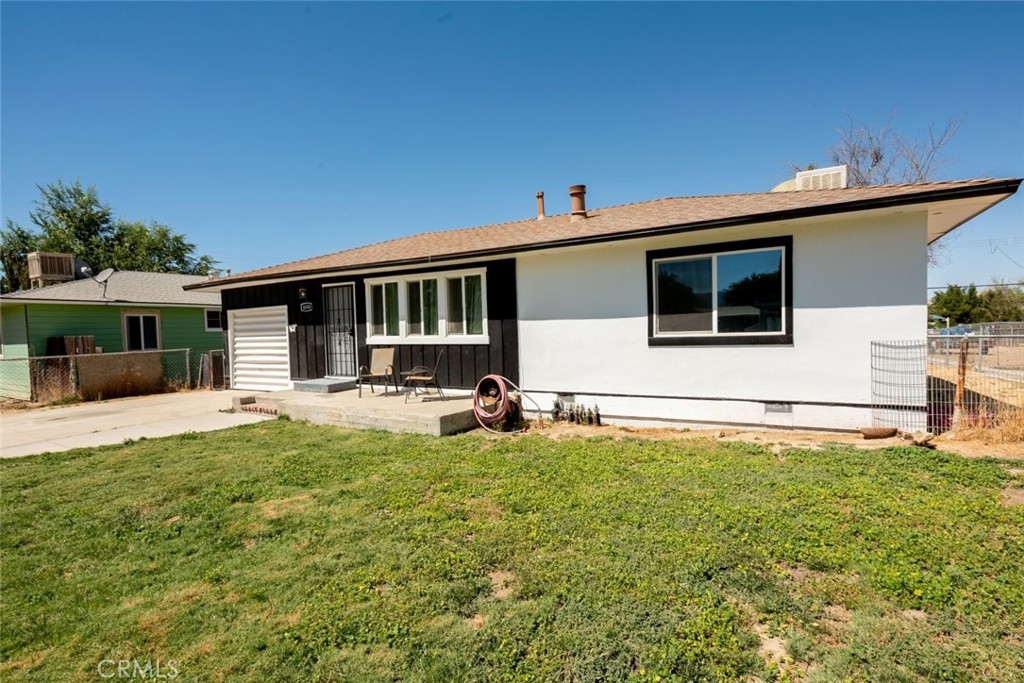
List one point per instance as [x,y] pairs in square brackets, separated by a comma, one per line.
[733,293]
[446,307]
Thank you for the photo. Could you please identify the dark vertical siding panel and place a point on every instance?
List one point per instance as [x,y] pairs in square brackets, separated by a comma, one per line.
[469,365]
[416,357]
[454,365]
[404,358]
[318,364]
[309,354]
[293,356]
[482,362]
[510,349]
[302,338]
[495,357]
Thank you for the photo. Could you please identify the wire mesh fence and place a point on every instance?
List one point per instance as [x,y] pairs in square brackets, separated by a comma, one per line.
[94,376]
[899,382]
[970,383]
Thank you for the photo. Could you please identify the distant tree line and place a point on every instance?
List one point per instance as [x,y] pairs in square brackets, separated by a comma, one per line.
[72,219]
[965,305]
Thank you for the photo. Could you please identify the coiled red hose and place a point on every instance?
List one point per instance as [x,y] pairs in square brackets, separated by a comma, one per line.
[490,413]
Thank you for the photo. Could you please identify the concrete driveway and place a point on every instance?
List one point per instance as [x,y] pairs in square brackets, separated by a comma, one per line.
[28,432]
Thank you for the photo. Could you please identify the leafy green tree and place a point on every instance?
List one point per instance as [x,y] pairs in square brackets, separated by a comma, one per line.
[71,218]
[15,245]
[154,248]
[1001,303]
[960,305]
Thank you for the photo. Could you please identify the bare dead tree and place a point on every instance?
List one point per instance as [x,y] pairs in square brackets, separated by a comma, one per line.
[879,155]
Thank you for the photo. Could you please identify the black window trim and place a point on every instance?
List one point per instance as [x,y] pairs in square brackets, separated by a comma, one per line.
[774,339]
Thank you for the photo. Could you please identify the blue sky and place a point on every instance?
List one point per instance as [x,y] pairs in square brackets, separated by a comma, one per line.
[269,132]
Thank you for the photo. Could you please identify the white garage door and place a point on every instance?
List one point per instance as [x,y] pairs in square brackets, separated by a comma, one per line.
[259,349]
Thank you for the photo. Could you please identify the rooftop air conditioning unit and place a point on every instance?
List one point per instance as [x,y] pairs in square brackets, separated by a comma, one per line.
[45,268]
[831,178]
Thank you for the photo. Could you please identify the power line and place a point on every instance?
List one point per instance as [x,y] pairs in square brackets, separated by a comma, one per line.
[998,284]
[1000,250]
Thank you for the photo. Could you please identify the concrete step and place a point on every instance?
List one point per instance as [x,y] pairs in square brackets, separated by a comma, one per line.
[324,385]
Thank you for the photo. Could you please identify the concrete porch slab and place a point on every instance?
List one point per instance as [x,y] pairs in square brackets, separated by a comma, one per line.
[421,415]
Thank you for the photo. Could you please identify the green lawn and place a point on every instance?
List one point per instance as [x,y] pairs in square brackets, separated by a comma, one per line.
[286,552]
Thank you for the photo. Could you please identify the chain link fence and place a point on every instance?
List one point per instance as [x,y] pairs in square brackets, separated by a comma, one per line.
[967,380]
[95,376]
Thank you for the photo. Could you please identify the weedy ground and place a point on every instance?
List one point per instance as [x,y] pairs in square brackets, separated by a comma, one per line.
[287,552]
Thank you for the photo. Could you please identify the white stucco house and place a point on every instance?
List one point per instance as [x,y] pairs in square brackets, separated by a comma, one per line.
[744,309]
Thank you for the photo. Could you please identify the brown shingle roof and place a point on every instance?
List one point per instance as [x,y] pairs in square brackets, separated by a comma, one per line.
[624,221]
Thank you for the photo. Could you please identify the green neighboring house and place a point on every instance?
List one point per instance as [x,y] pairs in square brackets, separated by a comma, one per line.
[131,311]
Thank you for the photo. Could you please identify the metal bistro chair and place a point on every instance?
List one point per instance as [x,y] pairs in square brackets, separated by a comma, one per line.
[382,367]
[421,377]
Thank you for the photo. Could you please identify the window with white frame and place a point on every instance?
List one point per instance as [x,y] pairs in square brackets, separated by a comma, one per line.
[732,293]
[214,319]
[421,305]
[141,331]
[465,305]
[447,307]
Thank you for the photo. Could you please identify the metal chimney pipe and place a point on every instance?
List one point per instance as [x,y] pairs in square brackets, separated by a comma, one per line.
[540,205]
[578,193]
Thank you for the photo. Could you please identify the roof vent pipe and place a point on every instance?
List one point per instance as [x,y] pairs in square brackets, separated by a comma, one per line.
[578,194]
[540,205]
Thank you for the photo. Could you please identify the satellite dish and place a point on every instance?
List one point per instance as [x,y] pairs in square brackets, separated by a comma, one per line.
[104,275]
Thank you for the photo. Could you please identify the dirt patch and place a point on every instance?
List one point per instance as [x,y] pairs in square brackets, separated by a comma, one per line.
[838,613]
[9,405]
[776,440]
[382,588]
[293,619]
[272,509]
[834,622]
[154,624]
[132,602]
[475,622]
[484,509]
[1012,497]
[171,520]
[914,615]
[772,648]
[503,584]
[29,662]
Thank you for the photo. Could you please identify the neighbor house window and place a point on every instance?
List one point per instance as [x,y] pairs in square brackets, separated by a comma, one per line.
[726,293]
[446,307]
[141,331]
[214,318]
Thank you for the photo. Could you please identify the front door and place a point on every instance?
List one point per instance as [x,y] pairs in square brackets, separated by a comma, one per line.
[340,324]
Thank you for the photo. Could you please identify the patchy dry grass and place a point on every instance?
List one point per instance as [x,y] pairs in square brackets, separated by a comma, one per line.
[285,552]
